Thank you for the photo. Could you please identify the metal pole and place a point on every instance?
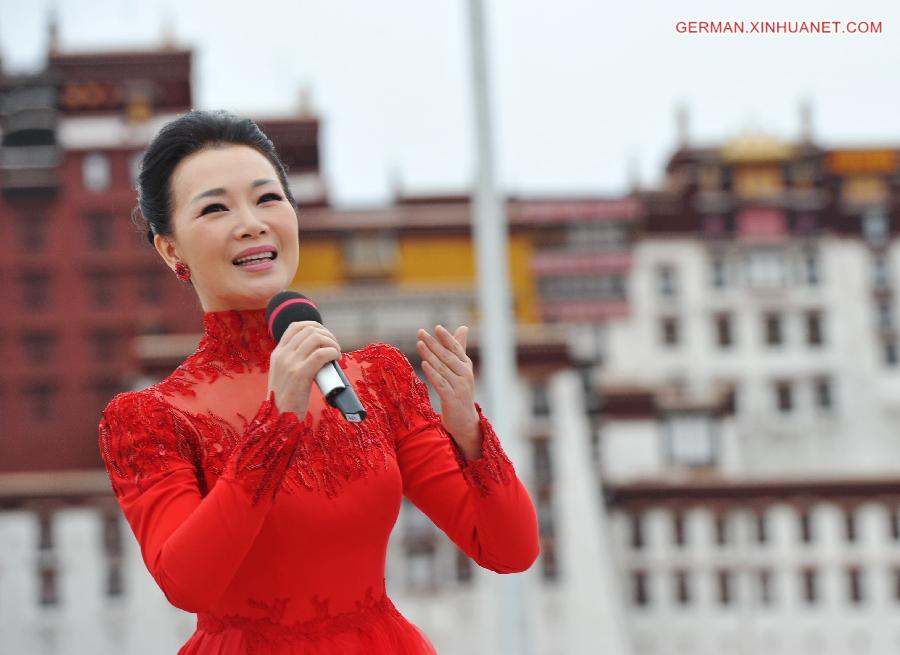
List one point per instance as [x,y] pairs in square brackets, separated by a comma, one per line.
[497,321]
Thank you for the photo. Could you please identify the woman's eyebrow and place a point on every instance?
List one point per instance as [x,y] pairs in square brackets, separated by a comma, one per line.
[219,191]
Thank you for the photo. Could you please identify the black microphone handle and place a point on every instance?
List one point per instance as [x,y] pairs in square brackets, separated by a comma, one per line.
[346,400]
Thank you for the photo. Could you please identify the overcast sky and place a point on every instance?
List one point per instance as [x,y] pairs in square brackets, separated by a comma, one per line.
[582,91]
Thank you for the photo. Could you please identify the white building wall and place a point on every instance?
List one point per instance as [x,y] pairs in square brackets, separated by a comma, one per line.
[855,436]
[789,624]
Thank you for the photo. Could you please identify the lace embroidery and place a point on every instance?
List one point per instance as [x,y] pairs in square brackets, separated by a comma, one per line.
[407,394]
[261,460]
[139,438]
[141,435]
[263,633]
[410,395]
[342,451]
[234,341]
[493,463]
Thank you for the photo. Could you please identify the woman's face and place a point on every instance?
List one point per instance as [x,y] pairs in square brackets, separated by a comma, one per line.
[227,200]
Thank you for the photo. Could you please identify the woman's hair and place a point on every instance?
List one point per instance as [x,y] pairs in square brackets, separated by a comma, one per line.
[184,136]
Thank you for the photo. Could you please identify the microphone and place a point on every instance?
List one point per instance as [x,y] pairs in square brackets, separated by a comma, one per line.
[288,307]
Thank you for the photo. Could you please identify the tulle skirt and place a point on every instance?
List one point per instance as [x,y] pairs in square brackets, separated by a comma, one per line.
[388,633]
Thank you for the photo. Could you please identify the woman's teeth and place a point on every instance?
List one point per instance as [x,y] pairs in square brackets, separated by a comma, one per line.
[254,258]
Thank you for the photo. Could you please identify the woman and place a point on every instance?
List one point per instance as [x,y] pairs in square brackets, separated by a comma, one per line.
[256,505]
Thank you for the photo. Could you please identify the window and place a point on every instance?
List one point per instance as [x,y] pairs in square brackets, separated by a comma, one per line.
[766,269]
[32,232]
[150,285]
[885,315]
[549,561]
[678,529]
[723,330]
[96,172]
[669,331]
[809,581]
[721,525]
[784,399]
[682,588]
[806,535]
[112,534]
[370,255]
[40,397]
[854,586]
[464,566]
[637,531]
[666,281]
[811,268]
[102,286]
[762,533]
[421,572]
[605,235]
[889,352]
[724,587]
[881,271]
[45,532]
[850,525]
[691,438]
[99,230]
[875,224]
[112,546]
[540,404]
[49,589]
[38,346]
[543,466]
[773,329]
[764,586]
[639,588]
[822,390]
[114,578]
[35,288]
[105,389]
[718,272]
[544,506]
[104,344]
[814,329]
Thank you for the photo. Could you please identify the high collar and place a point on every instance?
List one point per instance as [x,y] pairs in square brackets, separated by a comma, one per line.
[237,336]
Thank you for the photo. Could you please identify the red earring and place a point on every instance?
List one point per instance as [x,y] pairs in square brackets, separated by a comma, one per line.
[182,271]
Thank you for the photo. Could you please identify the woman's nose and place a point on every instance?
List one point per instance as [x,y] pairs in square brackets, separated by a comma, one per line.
[251,224]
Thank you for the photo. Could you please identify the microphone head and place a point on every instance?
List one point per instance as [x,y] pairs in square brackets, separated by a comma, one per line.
[288,307]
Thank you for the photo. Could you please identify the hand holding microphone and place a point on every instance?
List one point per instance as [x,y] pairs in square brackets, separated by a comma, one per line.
[306,352]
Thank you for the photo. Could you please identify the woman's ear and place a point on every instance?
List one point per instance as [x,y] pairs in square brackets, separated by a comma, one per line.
[167,250]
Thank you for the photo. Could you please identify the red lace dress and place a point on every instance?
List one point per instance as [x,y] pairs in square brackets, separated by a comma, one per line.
[274,530]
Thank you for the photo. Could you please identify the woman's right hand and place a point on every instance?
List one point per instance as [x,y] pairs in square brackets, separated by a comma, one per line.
[305,347]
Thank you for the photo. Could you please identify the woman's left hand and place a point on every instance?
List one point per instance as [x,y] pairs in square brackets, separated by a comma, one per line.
[450,371]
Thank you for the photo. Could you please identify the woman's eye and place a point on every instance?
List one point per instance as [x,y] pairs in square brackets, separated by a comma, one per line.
[270,196]
[218,204]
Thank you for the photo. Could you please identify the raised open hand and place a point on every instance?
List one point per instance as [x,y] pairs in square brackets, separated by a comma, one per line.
[450,371]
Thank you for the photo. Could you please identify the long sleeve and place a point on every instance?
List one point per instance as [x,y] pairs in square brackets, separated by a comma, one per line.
[193,542]
[480,504]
